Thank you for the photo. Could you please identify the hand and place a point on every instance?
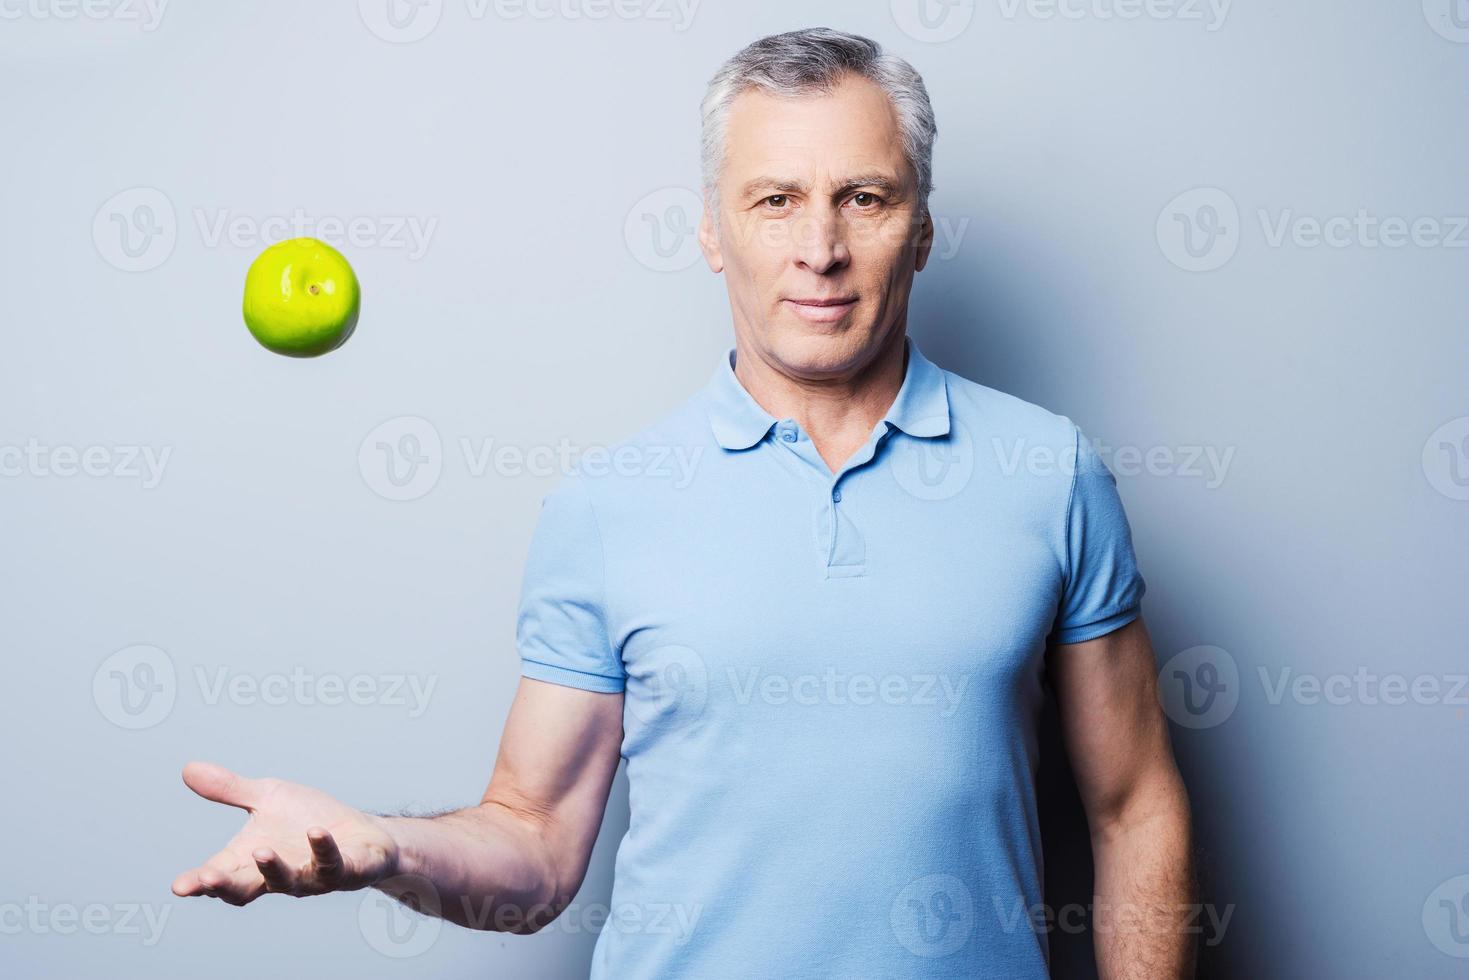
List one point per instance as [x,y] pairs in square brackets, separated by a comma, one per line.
[298,841]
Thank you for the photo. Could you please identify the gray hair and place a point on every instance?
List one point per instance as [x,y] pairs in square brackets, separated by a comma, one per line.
[810,62]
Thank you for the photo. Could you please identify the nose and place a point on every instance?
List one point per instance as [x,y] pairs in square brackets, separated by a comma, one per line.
[820,243]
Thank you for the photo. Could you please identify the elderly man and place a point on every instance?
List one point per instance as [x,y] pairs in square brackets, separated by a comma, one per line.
[823,654]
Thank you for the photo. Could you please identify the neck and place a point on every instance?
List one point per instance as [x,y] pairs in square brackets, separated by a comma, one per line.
[835,408]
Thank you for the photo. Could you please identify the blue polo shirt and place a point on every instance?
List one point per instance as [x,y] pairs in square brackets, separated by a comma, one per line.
[831,680]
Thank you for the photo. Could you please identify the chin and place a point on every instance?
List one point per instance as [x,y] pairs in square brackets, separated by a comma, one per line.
[815,351]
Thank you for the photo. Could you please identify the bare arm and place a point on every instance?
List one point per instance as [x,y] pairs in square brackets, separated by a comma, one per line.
[510,864]
[513,862]
[1136,805]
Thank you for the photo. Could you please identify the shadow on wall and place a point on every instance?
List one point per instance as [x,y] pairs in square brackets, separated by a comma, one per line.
[977,321]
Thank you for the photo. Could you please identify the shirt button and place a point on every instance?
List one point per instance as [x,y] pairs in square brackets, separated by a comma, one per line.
[788,435]
[836,495]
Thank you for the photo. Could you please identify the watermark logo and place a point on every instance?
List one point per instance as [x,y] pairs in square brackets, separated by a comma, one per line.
[669,688]
[1448,18]
[934,467]
[661,229]
[402,458]
[136,229]
[932,21]
[933,916]
[1199,687]
[1446,459]
[135,687]
[1199,230]
[400,21]
[401,927]
[1446,917]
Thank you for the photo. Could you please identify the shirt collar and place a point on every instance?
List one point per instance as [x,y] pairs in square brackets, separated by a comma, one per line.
[920,409]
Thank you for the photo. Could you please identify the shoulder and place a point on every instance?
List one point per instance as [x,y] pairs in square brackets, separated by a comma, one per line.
[995,414]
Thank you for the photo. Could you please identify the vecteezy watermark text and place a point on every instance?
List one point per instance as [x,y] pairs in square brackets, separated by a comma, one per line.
[38,917]
[123,462]
[403,917]
[303,687]
[136,230]
[1119,918]
[835,687]
[408,21]
[408,233]
[147,13]
[137,687]
[1207,463]
[403,458]
[1201,229]
[1210,13]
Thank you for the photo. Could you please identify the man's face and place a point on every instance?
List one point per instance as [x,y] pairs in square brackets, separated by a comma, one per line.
[817,202]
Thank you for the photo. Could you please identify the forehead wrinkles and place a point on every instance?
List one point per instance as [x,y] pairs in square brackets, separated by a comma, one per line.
[820,172]
[801,157]
[850,139]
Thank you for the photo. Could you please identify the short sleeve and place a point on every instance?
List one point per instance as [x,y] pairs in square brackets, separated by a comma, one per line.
[1102,589]
[561,623]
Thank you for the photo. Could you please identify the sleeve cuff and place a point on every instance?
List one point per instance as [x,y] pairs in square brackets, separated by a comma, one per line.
[567,677]
[1090,631]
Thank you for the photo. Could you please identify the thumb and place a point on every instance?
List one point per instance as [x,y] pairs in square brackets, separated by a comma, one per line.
[215,782]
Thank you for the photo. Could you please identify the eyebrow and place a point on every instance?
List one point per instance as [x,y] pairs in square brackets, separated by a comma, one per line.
[785,185]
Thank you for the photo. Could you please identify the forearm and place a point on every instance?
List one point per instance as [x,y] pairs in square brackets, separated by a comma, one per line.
[485,866]
[1145,915]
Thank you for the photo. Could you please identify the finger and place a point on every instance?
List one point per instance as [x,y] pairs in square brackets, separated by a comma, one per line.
[187,885]
[278,877]
[215,782]
[326,859]
[238,887]
[209,880]
[191,882]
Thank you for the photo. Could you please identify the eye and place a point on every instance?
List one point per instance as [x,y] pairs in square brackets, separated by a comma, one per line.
[778,201]
[865,200]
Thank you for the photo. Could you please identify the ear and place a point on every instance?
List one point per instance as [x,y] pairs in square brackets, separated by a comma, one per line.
[924,242]
[709,240]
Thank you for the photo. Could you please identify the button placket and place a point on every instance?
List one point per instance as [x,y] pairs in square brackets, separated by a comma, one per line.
[842,547]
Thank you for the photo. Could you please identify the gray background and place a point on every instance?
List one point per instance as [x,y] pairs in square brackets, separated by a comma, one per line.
[543,310]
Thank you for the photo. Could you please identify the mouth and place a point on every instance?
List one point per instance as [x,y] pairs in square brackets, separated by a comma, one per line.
[822,309]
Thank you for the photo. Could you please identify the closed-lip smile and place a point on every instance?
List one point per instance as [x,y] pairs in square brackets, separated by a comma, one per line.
[835,301]
[823,309]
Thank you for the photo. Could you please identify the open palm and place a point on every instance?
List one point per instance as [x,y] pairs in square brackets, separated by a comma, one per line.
[297,841]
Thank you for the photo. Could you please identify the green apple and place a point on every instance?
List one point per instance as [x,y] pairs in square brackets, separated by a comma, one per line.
[301,298]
